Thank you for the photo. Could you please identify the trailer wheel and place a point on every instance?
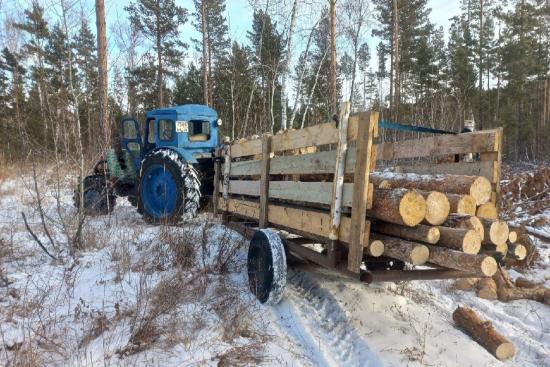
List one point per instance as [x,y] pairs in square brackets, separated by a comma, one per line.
[267,266]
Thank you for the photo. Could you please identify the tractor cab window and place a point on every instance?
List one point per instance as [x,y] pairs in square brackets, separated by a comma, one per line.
[199,130]
[152,137]
[129,130]
[166,130]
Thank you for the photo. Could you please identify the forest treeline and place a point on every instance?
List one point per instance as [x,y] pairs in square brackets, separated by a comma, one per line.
[493,65]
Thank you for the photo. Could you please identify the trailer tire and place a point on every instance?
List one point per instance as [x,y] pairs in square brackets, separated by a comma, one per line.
[267,266]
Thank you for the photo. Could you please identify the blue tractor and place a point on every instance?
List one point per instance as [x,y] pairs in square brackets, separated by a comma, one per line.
[164,173]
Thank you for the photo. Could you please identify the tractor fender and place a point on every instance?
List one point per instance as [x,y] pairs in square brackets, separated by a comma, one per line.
[185,155]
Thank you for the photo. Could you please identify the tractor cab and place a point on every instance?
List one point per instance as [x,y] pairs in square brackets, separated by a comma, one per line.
[189,130]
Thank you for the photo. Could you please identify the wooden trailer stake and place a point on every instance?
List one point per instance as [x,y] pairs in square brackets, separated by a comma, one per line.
[338,184]
[264,181]
[365,132]
[216,193]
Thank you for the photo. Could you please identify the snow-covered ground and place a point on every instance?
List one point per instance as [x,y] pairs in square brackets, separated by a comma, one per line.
[145,295]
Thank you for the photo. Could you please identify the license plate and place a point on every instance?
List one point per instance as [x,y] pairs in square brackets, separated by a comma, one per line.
[182,127]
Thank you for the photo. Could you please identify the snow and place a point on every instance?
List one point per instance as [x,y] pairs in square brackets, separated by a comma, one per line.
[129,275]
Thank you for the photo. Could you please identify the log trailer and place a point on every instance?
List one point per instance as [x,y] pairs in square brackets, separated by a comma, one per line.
[374,206]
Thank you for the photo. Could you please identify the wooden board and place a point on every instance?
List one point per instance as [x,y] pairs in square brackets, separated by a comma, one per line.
[486,169]
[483,141]
[359,229]
[315,135]
[313,163]
[305,221]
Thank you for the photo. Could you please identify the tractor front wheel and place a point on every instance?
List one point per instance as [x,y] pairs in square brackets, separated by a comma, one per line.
[99,197]
[168,190]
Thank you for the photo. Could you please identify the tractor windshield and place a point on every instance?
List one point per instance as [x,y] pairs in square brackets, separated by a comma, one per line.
[199,130]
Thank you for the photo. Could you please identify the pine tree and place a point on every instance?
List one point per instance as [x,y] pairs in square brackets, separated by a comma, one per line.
[188,88]
[267,44]
[159,20]
[211,23]
[87,74]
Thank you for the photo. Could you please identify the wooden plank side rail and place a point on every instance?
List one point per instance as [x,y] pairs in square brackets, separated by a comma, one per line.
[476,142]
[320,134]
[359,227]
[302,220]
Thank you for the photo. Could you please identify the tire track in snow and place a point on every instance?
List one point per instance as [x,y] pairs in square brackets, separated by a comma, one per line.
[322,325]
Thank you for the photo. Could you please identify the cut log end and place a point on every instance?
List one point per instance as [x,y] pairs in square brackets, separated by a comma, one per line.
[471,243]
[412,208]
[481,190]
[419,255]
[513,236]
[502,249]
[477,226]
[499,232]
[517,251]
[489,266]
[505,351]
[437,208]
[376,248]
[433,235]
[488,211]
[462,204]
[466,284]
[487,289]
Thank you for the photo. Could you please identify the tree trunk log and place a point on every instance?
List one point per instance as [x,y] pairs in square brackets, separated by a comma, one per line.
[484,333]
[399,206]
[476,186]
[496,231]
[414,253]
[481,265]
[507,293]
[526,283]
[488,211]
[437,207]
[513,236]
[465,222]
[466,284]
[465,240]
[487,289]
[462,204]
[419,233]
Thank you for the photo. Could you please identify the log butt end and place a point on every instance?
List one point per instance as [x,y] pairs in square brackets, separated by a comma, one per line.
[489,266]
[513,236]
[412,208]
[488,211]
[499,232]
[376,248]
[471,243]
[433,235]
[419,255]
[505,351]
[437,208]
[466,205]
[481,190]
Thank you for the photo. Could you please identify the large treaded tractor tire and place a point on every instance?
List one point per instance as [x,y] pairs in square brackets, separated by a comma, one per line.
[99,197]
[168,191]
[266,265]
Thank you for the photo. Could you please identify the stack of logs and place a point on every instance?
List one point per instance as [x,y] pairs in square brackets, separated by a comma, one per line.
[443,220]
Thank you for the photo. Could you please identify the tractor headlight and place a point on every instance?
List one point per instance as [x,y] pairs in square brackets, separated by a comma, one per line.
[219,122]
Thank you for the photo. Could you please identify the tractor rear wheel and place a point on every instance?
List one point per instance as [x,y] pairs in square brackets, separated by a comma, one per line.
[266,265]
[168,190]
[99,197]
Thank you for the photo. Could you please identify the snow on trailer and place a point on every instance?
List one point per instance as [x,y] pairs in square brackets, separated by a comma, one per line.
[319,185]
